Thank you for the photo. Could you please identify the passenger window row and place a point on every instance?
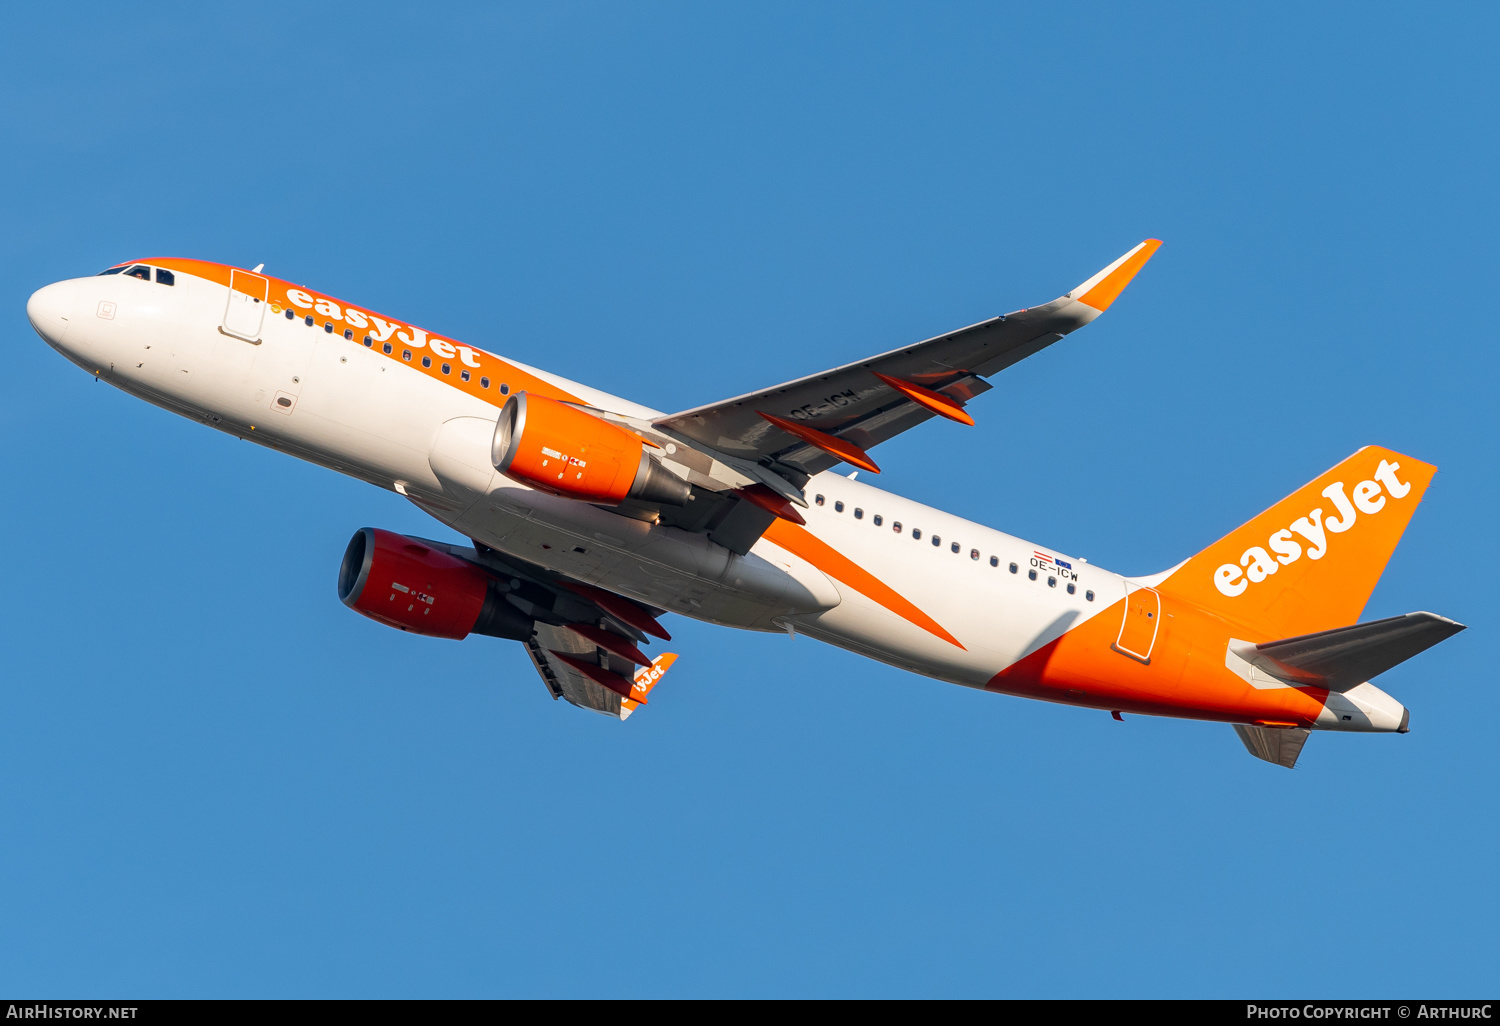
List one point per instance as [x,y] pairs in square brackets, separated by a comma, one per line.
[369,342]
[954,547]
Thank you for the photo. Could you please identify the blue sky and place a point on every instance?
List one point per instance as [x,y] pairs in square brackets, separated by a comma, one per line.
[216,780]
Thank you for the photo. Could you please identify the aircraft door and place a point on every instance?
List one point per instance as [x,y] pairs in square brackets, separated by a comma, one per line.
[246,311]
[1141,623]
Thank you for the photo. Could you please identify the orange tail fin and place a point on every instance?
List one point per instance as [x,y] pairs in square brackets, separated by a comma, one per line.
[1310,562]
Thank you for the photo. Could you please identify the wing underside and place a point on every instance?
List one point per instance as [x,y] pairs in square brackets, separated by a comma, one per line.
[567,682]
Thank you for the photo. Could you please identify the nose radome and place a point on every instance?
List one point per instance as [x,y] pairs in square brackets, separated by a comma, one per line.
[50,308]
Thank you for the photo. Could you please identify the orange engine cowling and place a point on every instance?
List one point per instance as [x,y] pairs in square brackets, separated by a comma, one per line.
[563,450]
[406,584]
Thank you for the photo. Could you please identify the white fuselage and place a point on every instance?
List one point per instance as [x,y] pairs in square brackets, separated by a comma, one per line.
[361,413]
[871,572]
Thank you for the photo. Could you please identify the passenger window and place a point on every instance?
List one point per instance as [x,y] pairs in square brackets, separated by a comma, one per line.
[112,270]
[386,348]
[447,369]
[838,507]
[308,320]
[348,332]
[406,354]
[426,361]
[369,342]
[818,500]
[1052,582]
[464,375]
[896,526]
[859,514]
[1013,568]
[291,315]
[879,520]
[1089,595]
[916,532]
[1031,574]
[954,547]
[484,382]
[974,554]
[936,540]
[140,271]
[505,390]
[1072,588]
[994,561]
[165,277]
[328,327]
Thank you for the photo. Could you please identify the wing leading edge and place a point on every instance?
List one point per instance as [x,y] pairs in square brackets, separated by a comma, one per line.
[808,425]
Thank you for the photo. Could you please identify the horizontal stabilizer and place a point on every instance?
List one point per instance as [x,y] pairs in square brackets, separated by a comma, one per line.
[1346,657]
[1280,745]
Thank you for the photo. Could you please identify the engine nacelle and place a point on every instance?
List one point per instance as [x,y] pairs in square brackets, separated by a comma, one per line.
[409,585]
[563,450]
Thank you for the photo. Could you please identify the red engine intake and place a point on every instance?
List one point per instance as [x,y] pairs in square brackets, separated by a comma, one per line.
[404,583]
[569,452]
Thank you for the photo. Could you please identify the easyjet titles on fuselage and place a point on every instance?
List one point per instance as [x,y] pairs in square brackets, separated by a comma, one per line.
[381,330]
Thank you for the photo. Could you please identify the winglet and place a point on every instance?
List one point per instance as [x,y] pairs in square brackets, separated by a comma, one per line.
[1105,287]
[645,679]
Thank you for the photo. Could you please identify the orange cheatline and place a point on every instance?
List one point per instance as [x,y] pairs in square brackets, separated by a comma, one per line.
[937,402]
[801,542]
[1108,288]
[846,451]
[604,678]
[761,496]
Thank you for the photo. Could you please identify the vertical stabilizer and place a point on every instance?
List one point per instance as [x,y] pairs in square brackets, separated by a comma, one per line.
[1309,562]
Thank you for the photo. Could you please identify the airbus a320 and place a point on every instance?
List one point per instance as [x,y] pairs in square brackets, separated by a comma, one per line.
[590,517]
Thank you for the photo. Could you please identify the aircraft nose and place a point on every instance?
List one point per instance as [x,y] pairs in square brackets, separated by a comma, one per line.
[50,308]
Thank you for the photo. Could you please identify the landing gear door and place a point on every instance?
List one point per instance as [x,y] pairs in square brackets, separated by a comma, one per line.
[1141,623]
[246,311]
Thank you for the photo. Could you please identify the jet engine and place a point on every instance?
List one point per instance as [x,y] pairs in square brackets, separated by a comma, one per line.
[404,583]
[560,449]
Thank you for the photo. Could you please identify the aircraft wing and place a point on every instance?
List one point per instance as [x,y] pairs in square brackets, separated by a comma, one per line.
[583,640]
[815,422]
[564,680]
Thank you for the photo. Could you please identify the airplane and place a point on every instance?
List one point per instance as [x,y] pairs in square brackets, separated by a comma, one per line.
[590,517]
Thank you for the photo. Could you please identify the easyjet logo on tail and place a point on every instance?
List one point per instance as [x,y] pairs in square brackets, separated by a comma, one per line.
[1313,530]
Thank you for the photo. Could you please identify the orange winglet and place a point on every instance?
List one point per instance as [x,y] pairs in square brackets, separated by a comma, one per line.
[621,608]
[610,642]
[1115,277]
[846,451]
[645,679]
[604,678]
[937,402]
[760,495]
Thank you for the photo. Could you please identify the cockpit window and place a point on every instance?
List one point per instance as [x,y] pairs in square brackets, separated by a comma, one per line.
[112,270]
[140,271]
[165,277]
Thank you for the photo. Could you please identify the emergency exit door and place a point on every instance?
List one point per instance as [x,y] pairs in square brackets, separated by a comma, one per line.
[246,311]
[1142,620]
